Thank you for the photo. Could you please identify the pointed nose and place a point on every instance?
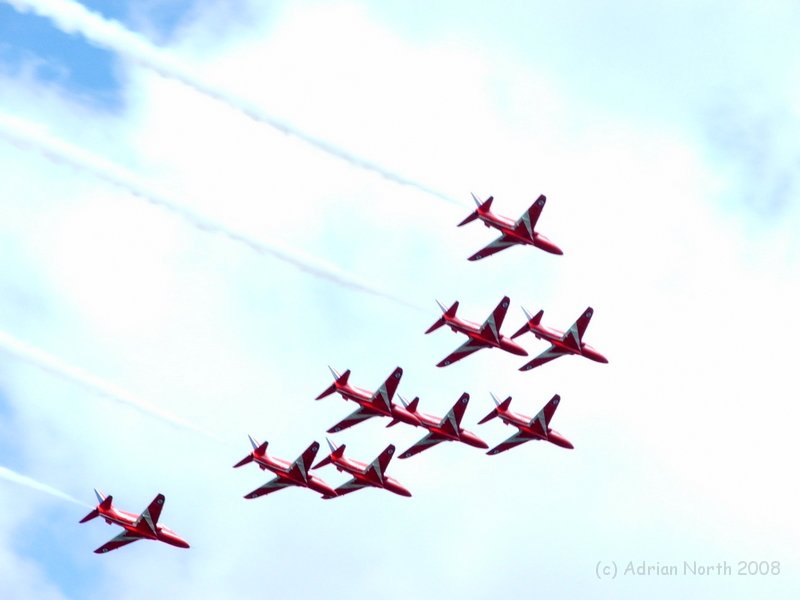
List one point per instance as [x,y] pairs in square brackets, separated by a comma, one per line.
[515,348]
[473,440]
[593,354]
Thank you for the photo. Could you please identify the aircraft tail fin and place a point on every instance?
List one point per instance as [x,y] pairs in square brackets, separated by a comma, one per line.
[103,502]
[336,452]
[258,449]
[482,207]
[530,323]
[410,406]
[500,406]
[339,380]
[446,312]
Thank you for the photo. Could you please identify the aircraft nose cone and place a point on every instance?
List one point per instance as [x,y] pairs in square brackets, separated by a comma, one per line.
[519,350]
[398,489]
[473,440]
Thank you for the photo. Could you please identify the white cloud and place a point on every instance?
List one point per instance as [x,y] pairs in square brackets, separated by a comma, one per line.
[680,440]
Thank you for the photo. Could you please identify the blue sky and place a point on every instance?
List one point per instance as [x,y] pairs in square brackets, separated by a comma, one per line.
[665,140]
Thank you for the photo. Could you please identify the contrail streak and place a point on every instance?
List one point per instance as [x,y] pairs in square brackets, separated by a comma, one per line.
[72,17]
[14,477]
[55,366]
[29,135]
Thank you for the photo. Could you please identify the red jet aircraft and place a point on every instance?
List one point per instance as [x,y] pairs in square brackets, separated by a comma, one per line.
[513,233]
[295,473]
[136,527]
[570,342]
[371,475]
[446,429]
[530,428]
[480,336]
[378,404]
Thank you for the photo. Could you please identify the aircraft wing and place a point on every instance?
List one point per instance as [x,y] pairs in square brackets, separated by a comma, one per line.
[574,335]
[526,224]
[463,350]
[301,466]
[269,487]
[496,246]
[351,486]
[491,326]
[542,419]
[545,357]
[383,396]
[428,441]
[377,467]
[123,539]
[354,418]
[512,442]
[451,422]
[149,518]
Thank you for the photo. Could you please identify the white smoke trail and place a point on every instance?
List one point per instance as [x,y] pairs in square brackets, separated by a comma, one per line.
[14,477]
[72,17]
[55,366]
[30,135]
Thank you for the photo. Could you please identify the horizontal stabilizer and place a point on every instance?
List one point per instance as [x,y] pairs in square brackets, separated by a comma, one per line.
[247,459]
[258,450]
[484,206]
[530,323]
[449,313]
[339,381]
[90,516]
[410,406]
[501,406]
[335,453]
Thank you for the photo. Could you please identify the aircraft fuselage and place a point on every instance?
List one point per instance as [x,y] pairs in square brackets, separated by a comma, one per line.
[473,331]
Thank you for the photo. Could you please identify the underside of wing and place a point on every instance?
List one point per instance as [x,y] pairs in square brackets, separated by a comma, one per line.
[429,441]
[491,326]
[463,350]
[354,418]
[515,440]
[149,518]
[496,246]
[541,421]
[351,486]
[269,487]
[123,539]
[574,335]
[545,357]
[526,224]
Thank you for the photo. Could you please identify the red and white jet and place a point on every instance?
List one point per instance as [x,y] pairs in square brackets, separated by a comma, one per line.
[136,527]
[530,428]
[371,475]
[570,342]
[377,404]
[522,231]
[288,474]
[479,336]
[446,429]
